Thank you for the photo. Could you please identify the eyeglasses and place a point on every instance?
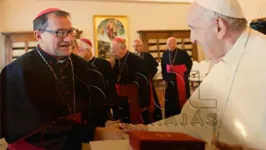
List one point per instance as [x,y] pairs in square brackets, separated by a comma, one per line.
[62,33]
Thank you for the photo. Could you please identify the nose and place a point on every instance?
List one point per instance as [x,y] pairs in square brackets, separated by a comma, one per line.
[69,38]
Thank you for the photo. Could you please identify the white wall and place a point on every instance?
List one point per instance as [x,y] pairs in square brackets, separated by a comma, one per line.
[142,16]
[17,15]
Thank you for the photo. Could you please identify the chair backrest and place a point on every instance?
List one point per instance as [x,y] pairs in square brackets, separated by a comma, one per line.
[158,75]
[131,92]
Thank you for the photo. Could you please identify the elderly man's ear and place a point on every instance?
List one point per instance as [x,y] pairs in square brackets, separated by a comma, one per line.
[221,28]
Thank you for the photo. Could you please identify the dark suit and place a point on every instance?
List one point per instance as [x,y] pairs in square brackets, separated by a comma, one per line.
[151,66]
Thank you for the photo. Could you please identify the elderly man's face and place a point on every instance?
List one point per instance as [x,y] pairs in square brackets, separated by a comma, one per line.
[116,49]
[85,53]
[137,45]
[58,46]
[171,44]
[202,32]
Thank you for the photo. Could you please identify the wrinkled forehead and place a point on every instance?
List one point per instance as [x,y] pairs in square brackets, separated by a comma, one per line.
[114,44]
[195,15]
[171,40]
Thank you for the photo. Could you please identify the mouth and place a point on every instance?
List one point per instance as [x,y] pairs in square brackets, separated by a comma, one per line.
[64,46]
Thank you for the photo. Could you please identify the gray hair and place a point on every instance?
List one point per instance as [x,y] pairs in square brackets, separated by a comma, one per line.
[121,44]
[42,21]
[233,23]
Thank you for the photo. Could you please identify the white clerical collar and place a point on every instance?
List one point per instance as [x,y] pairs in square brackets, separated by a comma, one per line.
[234,54]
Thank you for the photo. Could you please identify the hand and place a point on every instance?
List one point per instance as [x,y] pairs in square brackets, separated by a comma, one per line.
[137,127]
[111,122]
[110,132]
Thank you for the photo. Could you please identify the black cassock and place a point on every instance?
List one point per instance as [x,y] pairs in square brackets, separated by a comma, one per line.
[130,70]
[37,109]
[176,57]
[151,65]
[106,70]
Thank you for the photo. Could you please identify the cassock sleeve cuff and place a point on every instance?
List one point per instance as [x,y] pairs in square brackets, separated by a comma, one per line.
[87,132]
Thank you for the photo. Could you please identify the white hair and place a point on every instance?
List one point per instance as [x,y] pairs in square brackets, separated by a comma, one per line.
[83,45]
[233,23]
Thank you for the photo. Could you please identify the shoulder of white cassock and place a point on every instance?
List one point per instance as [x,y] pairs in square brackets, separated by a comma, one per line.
[241,112]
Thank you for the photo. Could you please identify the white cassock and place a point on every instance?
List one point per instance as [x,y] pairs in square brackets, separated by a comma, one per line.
[234,90]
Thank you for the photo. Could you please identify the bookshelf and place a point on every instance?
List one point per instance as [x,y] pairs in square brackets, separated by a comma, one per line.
[154,42]
[19,43]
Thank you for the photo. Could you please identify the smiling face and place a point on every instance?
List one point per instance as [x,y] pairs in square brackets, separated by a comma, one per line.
[50,42]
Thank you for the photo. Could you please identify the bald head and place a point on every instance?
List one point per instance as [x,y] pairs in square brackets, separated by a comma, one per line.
[137,45]
[171,43]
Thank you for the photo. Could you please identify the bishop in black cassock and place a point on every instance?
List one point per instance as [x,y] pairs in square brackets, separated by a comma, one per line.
[39,109]
[171,59]
[129,70]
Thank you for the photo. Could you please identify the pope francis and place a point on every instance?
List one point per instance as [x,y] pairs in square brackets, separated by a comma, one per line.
[230,104]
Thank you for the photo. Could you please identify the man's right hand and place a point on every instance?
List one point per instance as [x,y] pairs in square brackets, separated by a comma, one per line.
[110,132]
[137,127]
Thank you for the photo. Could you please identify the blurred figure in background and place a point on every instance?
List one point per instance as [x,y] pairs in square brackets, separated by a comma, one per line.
[84,49]
[132,84]
[176,66]
[155,112]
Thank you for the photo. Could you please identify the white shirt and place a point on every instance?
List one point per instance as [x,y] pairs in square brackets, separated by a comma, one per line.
[240,104]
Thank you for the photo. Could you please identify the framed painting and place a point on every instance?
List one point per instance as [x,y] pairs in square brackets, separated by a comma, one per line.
[106,28]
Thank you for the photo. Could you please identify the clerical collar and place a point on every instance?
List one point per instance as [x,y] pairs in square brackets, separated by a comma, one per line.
[122,59]
[141,55]
[234,54]
[173,51]
[92,60]
[51,58]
